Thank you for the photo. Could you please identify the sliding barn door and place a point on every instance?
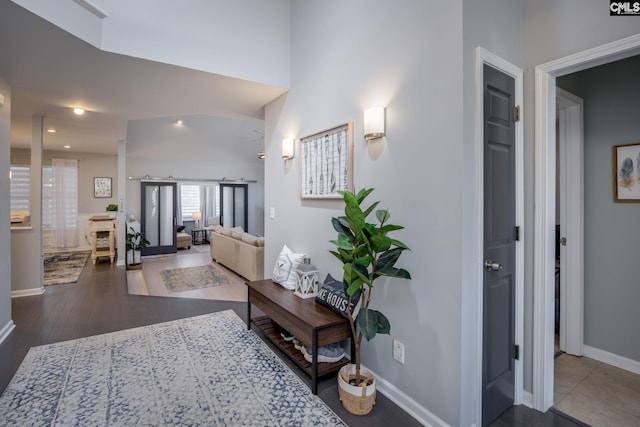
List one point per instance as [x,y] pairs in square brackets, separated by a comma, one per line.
[159,217]
[233,205]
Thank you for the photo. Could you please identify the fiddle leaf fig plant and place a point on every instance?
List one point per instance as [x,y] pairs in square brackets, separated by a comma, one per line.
[367,252]
[135,240]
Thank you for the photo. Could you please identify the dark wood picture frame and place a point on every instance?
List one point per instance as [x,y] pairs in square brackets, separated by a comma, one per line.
[626,172]
[326,163]
[102,187]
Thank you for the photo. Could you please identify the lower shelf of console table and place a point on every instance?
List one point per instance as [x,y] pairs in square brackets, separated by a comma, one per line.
[310,322]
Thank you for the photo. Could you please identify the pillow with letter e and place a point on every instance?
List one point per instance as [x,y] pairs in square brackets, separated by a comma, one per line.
[284,269]
[332,295]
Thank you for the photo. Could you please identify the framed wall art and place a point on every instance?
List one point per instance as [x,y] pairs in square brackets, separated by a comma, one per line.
[102,187]
[327,163]
[626,172]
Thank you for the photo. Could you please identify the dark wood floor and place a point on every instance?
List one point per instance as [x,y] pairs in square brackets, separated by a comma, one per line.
[99,303]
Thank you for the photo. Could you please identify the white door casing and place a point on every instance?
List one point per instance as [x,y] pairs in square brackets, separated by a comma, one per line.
[544,195]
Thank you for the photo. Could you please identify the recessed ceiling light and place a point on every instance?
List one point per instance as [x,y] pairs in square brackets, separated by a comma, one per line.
[179,122]
[51,130]
[67,146]
[79,111]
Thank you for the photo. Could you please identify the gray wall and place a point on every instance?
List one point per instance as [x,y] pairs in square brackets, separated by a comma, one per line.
[26,245]
[5,234]
[611,95]
[200,149]
[555,29]
[405,55]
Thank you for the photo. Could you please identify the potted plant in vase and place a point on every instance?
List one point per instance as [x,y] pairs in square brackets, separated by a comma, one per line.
[112,208]
[135,240]
[366,252]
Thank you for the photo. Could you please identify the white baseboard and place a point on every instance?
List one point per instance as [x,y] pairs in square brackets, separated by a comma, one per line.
[527,399]
[6,330]
[612,359]
[120,262]
[404,401]
[27,292]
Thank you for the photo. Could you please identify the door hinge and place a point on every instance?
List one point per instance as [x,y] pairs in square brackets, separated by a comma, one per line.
[516,113]
[516,233]
[516,352]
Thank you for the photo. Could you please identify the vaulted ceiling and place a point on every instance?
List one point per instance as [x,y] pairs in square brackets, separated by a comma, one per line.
[51,71]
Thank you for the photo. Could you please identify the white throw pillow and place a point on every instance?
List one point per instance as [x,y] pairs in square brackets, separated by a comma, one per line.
[284,269]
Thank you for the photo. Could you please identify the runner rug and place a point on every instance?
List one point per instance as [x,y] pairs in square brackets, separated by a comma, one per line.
[204,370]
[64,267]
[190,278]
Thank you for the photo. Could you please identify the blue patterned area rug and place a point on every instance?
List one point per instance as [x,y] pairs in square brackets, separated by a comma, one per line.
[205,370]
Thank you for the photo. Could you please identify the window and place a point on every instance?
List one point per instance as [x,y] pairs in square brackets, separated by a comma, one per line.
[20,187]
[67,202]
[199,197]
[189,200]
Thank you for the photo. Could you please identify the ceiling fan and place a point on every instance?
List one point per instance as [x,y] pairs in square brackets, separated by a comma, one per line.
[258,137]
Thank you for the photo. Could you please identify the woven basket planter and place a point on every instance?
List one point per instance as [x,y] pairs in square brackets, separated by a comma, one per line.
[358,400]
[137,266]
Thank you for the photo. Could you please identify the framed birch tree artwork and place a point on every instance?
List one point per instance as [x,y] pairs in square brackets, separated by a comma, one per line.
[626,172]
[327,163]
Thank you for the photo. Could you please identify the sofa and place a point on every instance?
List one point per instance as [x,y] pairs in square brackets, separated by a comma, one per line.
[183,240]
[238,251]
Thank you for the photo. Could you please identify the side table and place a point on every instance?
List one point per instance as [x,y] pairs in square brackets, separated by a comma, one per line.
[199,236]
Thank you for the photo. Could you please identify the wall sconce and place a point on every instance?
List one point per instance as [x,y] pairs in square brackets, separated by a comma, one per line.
[287,149]
[374,123]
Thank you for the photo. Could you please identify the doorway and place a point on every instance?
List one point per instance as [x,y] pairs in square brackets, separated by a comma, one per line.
[544,200]
[158,223]
[483,58]
[234,199]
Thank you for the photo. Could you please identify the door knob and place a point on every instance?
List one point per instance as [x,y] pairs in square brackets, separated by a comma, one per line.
[491,265]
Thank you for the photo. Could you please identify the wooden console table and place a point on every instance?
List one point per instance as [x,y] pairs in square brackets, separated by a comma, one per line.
[102,240]
[310,322]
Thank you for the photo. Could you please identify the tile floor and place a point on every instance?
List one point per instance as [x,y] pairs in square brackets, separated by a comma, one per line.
[596,393]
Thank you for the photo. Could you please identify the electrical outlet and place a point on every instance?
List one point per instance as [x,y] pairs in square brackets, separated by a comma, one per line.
[398,351]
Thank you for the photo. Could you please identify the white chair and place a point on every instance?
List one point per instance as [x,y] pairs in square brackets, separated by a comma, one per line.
[212,221]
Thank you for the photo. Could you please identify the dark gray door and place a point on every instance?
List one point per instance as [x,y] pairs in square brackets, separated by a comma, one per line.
[498,352]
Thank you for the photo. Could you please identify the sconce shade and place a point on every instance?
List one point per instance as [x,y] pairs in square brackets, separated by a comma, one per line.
[287,149]
[374,123]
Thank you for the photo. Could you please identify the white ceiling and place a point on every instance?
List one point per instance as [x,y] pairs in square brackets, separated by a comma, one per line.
[50,71]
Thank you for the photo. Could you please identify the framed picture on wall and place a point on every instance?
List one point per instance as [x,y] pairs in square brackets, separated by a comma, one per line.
[326,164]
[626,172]
[102,187]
